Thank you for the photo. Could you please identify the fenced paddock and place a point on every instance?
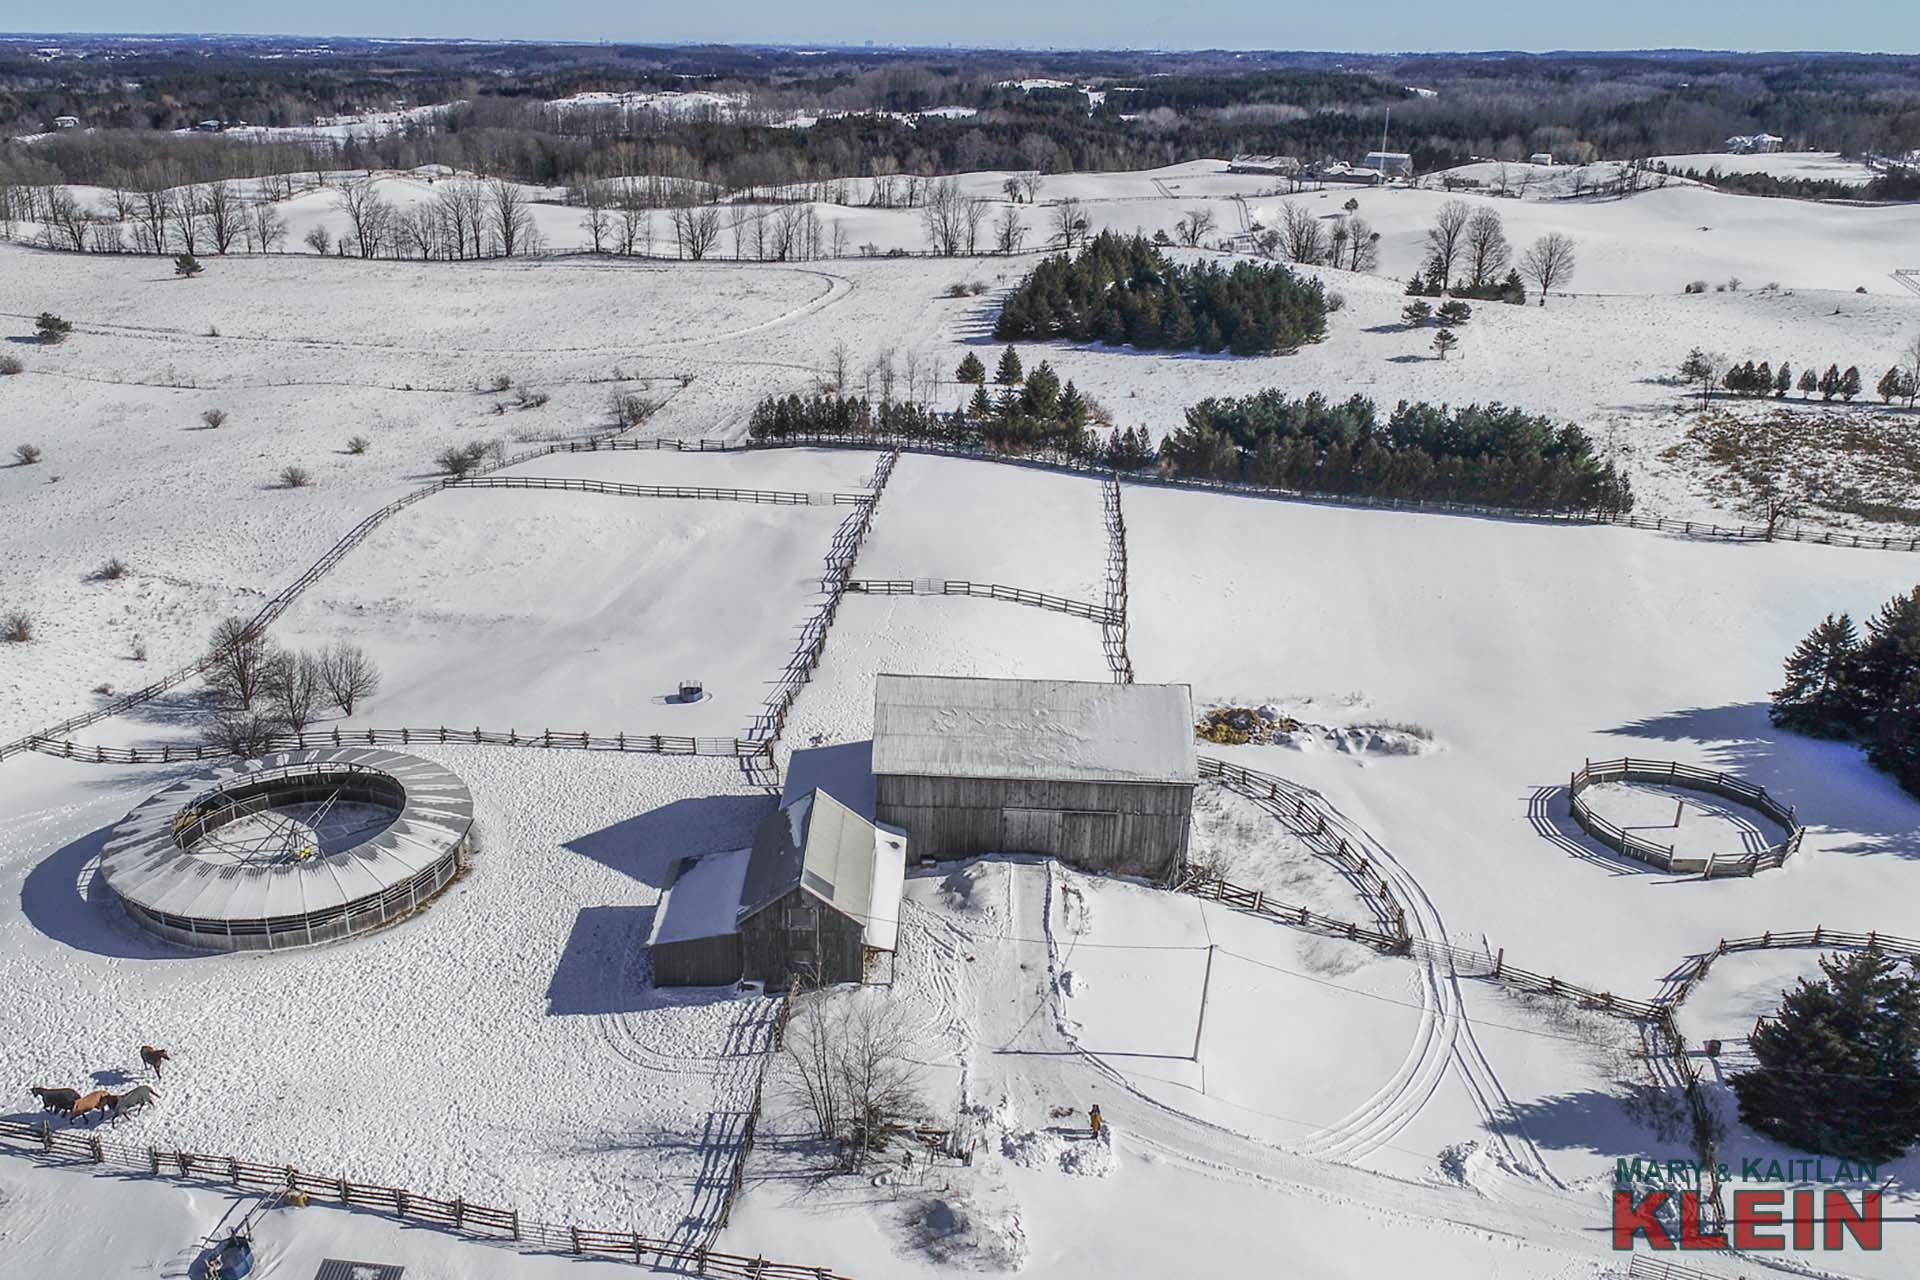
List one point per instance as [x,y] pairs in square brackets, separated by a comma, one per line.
[1671,773]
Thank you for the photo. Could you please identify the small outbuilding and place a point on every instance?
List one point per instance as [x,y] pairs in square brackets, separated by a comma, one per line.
[1279,166]
[1098,775]
[816,899]
[1541,158]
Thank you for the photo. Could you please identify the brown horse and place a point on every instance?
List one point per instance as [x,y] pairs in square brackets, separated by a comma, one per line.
[97,1104]
[55,1099]
[153,1058]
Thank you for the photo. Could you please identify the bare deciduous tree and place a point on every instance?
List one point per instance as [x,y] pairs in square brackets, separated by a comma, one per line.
[1549,262]
[1069,222]
[1486,248]
[243,733]
[238,659]
[848,1070]
[269,228]
[511,218]
[348,674]
[695,229]
[1195,226]
[292,685]
[220,206]
[1302,238]
[1445,236]
[1009,231]
[370,216]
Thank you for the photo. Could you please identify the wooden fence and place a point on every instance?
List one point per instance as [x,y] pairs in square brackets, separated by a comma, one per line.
[1055,461]
[1113,638]
[980,591]
[847,540]
[768,496]
[1672,773]
[1308,816]
[458,1215]
[658,744]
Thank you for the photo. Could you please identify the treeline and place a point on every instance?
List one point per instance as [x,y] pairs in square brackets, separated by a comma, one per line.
[1898,183]
[1865,689]
[1492,455]
[1121,290]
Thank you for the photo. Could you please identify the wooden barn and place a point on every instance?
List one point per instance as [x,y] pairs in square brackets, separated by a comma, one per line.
[816,899]
[1098,775]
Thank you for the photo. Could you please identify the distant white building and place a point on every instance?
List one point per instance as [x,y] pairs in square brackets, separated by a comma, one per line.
[1389,164]
[66,122]
[1541,157]
[1751,144]
[1284,166]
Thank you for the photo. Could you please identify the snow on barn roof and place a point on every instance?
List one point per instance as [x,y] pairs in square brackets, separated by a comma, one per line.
[813,843]
[820,845]
[1060,730]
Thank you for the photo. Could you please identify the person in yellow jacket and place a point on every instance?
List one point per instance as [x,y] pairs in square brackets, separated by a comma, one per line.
[1093,1119]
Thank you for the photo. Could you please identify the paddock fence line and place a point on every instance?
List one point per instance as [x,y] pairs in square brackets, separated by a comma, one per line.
[768,496]
[604,444]
[737,1178]
[279,603]
[1307,816]
[841,555]
[1673,773]
[458,1215]
[1113,633]
[1056,461]
[658,744]
[1102,614]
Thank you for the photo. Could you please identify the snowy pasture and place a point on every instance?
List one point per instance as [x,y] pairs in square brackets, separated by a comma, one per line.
[1371,1112]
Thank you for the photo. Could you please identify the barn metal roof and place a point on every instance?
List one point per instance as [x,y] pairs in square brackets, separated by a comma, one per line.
[818,844]
[1048,730]
[144,864]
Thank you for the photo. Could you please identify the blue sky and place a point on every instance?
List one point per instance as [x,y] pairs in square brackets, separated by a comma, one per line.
[1890,26]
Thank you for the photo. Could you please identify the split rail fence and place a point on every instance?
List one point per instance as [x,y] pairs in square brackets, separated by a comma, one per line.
[1672,773]
[648,744]
[1113,634]
[772,497]
[458,1215]
[980,591]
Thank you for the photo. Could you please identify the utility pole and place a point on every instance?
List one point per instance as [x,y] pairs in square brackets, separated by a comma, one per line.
[1205,982]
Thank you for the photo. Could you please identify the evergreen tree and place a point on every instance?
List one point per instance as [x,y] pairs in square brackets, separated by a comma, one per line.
[1809,383]
[1415,314]
[1850,383]
[980,407]
[1445,341]
[1890,656]
[1697,369]
[1009,373]
[1896,736]
[1830,382]
[1839,1067]
[1041,398]
[1073,406]
[1206,336]
[186,265]
[1783,381]
[1454,312]
[1819,696]
[1889,385]
[1415,285]
[970,370]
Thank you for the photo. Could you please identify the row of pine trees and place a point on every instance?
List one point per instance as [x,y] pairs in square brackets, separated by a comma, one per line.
[1761,380]
[1861,688]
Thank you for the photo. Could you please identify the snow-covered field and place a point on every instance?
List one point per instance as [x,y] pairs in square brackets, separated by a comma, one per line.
[506,1045]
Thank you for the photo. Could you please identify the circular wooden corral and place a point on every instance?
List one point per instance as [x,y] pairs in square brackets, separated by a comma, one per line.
[1674,774]
[155,860]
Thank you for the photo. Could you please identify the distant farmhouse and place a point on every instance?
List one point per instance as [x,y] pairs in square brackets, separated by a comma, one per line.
[1098,775]
[1753,144]
[66,122]
[1280,166]
[1541,157]
[815,900]
[1390,164]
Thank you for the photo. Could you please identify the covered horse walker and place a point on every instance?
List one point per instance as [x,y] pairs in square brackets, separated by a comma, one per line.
[291,850]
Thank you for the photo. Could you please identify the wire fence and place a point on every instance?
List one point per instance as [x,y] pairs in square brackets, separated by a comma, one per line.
[1113,637]
[1673,773]
[458,1215]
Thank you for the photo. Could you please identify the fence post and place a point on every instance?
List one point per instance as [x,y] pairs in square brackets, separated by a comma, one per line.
[93,1145]
[1499,960]
[575,1232]
[153,1161]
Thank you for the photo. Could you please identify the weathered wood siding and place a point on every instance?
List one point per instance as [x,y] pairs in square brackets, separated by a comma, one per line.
[1126,828]
[798,936]
[698,962]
